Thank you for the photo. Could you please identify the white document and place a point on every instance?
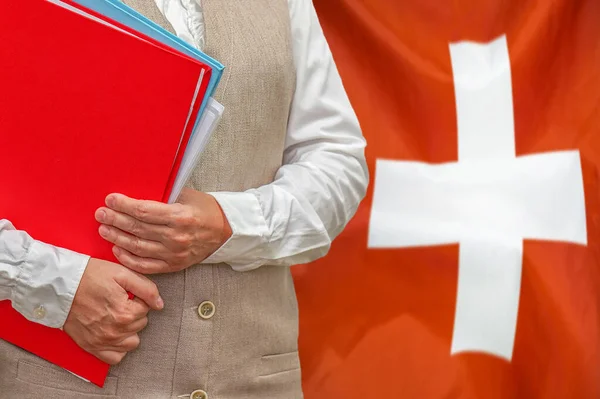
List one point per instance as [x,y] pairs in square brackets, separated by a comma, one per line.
[200,136]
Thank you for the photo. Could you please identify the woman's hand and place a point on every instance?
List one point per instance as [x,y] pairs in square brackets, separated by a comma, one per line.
[153,237]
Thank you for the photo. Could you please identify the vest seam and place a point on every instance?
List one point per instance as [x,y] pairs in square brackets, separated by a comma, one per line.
[183,308]
[215,326]
[231,54]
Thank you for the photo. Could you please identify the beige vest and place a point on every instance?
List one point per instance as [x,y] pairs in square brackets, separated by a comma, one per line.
[248,348]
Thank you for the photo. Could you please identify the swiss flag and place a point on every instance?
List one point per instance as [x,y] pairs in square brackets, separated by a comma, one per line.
[472,268]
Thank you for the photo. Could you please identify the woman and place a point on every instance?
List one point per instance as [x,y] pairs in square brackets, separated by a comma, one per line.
[282,176]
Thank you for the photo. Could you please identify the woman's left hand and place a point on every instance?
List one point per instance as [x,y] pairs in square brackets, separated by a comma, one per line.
[152,237]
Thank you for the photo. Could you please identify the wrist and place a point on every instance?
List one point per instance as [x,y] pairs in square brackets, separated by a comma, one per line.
[249,230]
[47,283]
[226,230]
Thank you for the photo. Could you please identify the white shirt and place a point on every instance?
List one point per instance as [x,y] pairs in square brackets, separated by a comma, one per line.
[289,221]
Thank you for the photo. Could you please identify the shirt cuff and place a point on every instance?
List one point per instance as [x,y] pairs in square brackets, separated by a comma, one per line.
[250,231]
[47,283]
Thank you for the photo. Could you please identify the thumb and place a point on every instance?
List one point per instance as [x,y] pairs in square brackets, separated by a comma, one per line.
[141,287]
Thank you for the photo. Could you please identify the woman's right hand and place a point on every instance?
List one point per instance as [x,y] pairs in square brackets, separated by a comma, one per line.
[103,320]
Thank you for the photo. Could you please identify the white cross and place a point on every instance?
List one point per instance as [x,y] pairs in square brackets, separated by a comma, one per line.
[488,202]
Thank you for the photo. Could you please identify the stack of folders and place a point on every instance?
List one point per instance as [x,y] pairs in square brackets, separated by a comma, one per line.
[94,99]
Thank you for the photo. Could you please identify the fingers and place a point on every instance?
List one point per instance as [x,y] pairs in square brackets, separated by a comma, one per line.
[110,357]
[126,343]
[141,287]
[147,211]
[133,244]
[137,309]
[116,354]
[122,336]
[139,264]
[137,325]
[130,343]
[130,224]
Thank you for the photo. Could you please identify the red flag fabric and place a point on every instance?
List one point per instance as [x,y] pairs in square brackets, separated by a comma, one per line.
[472,268]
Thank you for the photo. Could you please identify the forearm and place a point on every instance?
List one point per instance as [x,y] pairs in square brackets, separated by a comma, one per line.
[324,174]
[289,221]
[39,279]
[294,219]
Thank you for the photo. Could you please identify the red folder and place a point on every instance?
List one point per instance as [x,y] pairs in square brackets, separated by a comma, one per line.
[204,83]
[85,110]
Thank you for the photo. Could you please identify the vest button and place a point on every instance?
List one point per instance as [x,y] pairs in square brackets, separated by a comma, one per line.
[199,394]
[206,310]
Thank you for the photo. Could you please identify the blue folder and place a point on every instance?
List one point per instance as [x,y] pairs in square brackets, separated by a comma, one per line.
[116,10]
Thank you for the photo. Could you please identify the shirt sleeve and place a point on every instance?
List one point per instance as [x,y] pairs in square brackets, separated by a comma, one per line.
[324,175]
[39,279]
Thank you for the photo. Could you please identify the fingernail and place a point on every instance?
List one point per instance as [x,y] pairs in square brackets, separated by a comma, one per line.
[116,251]
[104,231]
[101,216]
[160,303]
[110,201]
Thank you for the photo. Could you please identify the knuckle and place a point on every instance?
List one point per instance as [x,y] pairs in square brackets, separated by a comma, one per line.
[144,313]
[141,210]
[181,239]
[136,245]
[180,258]
[183,215]
[188,220]
[178,209]
[135,227]
[124,318]
[139,266]
[120,240]
[119,308]
[110,335]
[122,274]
